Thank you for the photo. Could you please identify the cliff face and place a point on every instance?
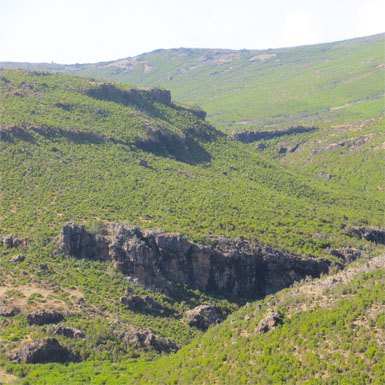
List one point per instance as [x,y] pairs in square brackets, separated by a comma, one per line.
[158,260]
[249,136]
[136,96]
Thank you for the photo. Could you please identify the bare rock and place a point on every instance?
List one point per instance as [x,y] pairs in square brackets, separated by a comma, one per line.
[76,241]
[43,317]
[144,304]
[203,316]
[348,254]
[248,136]
[66,331]
[159,260]
[269,322]
[42,351]
[325,175]
[372,234]
[294,148]
[261,146]
[17,258]
[146,338]
[9,311]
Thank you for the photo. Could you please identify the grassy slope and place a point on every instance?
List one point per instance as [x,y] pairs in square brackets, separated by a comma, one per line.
[52,176]
[335,86]
[253,89]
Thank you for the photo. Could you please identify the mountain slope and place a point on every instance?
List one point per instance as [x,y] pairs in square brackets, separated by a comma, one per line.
[79,157]
[75,149]
[329,330]
[247,89]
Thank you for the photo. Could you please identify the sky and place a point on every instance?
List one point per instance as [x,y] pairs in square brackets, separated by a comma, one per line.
[87,31]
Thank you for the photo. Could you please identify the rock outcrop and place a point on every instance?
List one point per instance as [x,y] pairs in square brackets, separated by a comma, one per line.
[43,317]
[42,351]
[9,311]
[135,96]
[144,304]
[203,316]
[66,331]
[348,254]
[159,260]
[372,234]
[158,139]
[76,241]
[269,322]
[146,338]
[249,136]
[12,241]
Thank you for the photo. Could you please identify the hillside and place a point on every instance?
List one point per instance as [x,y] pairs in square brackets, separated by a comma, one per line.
[337,87]
[339,81]
[325,331]
[252,89]
[110,157]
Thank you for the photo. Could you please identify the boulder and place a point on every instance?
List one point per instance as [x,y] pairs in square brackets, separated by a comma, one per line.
[66,331]
[9,311]
[203,316]
[261,146]
[42,351]
[325,175]
[269,322]
[43,317]
[146,338]
[144,304]
[17,258]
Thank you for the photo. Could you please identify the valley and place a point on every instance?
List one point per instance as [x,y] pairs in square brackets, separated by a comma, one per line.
[220,222]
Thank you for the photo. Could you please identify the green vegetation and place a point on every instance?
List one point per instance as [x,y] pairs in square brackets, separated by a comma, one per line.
[73,149]
[252,89]
[322,340]
[62,165]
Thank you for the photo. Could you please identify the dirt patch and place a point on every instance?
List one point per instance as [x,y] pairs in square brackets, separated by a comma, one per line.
[43,297]
[263,56]
[6,378]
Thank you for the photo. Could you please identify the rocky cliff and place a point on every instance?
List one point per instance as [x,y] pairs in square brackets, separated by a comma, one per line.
[248,136]
[159,260]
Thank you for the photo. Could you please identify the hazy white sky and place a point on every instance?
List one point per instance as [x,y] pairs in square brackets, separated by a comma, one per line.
[70,31]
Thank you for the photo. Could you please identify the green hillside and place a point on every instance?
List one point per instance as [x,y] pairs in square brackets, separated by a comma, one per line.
[75,149]
[335,86]
[340,81]
[330,331]
[68,156]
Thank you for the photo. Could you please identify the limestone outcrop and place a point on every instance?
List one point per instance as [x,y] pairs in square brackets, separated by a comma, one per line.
[158,260]
[203,316]
[42,351]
